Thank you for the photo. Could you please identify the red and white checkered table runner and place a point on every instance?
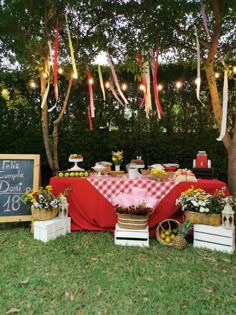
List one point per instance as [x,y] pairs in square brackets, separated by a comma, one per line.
[110,187]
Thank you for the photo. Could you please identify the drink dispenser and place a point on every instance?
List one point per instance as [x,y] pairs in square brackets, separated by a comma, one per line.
[201,160]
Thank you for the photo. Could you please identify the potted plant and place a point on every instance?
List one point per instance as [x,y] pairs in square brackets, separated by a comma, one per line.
[44,205]
[117,159]
[201,207]
[133,208]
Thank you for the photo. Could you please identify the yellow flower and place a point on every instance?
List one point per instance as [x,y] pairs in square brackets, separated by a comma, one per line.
[201,197]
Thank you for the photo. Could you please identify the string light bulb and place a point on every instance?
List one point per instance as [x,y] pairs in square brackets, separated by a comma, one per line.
[75,75]
[107,85]
[90,81]
[160,87]
[234,69]
[60,70]
[142,87]
[178,84]
[217,75]
[45,75]
[124,86]
[32,84]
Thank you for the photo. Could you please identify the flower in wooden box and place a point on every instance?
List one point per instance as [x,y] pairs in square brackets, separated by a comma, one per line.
[201,207]
[133,208]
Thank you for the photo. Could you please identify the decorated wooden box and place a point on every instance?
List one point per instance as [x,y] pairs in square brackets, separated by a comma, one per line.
[51,229]
[128,237]
[214,237]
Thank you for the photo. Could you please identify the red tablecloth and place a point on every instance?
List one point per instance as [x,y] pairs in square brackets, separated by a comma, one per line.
[89,209]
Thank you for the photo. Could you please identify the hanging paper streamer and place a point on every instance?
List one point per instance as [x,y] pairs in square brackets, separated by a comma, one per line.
[155,84]
[90,88]
[138,55]
[55,62]
[198,79]
[50,56]
[225,108]
[111,87]
[45,96]
[71,50]
[90,119]
[52,108]
[204,20]
[101,82]
[148,104]
[115,79]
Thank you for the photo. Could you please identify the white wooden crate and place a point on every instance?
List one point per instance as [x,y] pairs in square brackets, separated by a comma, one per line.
[214,237]
[51,229]
[128,237]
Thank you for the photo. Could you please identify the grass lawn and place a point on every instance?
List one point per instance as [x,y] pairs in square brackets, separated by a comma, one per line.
[84,273]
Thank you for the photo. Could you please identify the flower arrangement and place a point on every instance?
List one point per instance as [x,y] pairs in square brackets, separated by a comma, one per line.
[138,202]
[198,200]
[43,198]
[117,157]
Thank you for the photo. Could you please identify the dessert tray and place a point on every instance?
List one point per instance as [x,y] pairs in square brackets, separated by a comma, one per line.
[117,173]
[76,167]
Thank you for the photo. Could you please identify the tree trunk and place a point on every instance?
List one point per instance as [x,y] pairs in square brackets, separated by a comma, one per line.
[44,120]
[55,128]
[229,144]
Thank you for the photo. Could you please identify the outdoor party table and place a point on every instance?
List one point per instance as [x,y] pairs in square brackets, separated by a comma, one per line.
[90,206]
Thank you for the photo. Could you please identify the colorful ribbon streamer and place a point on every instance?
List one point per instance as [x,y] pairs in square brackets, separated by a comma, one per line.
[71,50]
[90,88]
[198,79]
[144,84]
[204,20]
[45,95]
[224,108]
[111,87]
[101,82]
[148,104]
[55,62]
[155,84]
[89,119]
[115,79]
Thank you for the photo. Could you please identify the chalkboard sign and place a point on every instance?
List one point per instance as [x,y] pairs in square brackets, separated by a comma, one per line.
[17,172]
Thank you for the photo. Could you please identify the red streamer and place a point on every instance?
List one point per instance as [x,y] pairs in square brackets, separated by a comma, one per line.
[155,87]
[91,102]
[90,119]
[55,61]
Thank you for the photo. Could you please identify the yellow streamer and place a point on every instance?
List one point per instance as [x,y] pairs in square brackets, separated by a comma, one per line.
[45,96]
[101,82]
[71,50]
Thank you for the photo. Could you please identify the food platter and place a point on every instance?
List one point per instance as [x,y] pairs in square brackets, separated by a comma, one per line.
[117,173]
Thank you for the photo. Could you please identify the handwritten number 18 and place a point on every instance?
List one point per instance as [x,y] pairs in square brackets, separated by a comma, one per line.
[12,204]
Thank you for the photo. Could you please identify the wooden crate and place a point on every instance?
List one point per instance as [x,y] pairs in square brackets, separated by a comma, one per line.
[129,237]
[214,237]
[51,229]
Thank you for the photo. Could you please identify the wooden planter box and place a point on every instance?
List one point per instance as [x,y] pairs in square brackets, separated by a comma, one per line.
[203,218]
[214,237]
[51,229]
[128,237]
[132,221]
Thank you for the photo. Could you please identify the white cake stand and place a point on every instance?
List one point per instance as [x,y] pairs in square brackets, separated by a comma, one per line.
[75,167]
